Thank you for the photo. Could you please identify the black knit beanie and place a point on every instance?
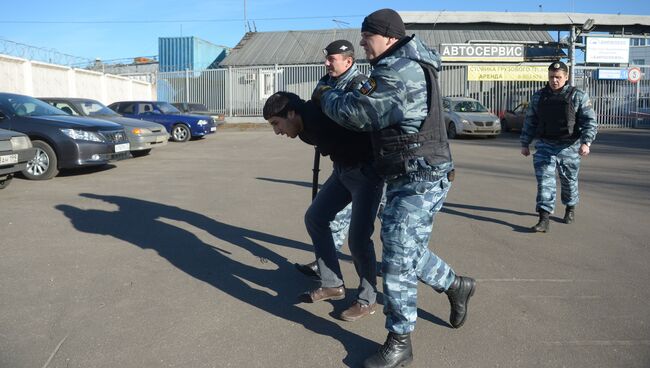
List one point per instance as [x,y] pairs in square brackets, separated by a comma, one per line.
[384,22]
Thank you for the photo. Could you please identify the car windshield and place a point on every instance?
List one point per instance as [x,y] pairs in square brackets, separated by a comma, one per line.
[94,108]
[469,106]
[197,107]
[28,106]
[167,108]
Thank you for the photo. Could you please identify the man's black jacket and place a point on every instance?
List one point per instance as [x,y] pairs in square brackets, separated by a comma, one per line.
[344,146]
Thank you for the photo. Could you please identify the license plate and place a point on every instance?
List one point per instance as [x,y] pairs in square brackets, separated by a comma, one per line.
[9,159]
[213,129]
[122,147]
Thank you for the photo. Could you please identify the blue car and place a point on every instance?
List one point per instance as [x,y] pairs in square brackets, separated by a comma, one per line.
[181,127]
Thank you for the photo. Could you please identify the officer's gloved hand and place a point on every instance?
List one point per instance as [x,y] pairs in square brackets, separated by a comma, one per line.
[318,93]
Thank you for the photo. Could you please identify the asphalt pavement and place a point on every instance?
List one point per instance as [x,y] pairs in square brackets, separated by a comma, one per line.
[184,258]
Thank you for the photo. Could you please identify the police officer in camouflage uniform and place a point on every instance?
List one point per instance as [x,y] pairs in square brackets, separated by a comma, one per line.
[401,105]
[342,73]
[562,117]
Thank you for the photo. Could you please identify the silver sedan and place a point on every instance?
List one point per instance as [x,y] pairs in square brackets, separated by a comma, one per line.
[142,135]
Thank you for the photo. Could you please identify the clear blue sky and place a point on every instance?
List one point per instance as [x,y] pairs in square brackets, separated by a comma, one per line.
[124,29]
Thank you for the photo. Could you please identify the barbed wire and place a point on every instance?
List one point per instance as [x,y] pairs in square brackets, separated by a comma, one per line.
[47,55]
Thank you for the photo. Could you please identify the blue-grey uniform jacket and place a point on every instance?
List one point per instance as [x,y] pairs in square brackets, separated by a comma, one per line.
[345,82]
[585,117]
[395,94]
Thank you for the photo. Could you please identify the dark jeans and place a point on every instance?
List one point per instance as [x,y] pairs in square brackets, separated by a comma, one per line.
[363,187]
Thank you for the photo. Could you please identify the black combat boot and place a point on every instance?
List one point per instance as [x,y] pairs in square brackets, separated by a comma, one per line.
[569,214]
[461,289]
[396,352]
[542,225]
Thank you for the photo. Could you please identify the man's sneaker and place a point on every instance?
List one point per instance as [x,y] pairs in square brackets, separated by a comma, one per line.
[309,269]
[358,311]
[461,289]
[323,293]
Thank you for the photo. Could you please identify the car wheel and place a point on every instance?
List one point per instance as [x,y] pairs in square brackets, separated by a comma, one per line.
[451,130]
[5,182]
[141,153]
[180,133]
[505,126]
[44,165]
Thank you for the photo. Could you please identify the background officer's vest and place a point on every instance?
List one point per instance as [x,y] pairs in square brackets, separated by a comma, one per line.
[557,115]
[393,148]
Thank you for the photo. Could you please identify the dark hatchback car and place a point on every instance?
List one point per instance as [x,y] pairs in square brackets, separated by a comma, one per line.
[180,126]
[143,135]
[15,151]
[199,109]
[514,119]
[61,141]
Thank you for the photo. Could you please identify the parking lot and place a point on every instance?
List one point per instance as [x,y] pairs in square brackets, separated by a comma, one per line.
[184,258]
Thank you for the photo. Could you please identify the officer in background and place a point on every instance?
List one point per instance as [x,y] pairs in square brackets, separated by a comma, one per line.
[562,117]
[402,107]
[353,179]
[342,73]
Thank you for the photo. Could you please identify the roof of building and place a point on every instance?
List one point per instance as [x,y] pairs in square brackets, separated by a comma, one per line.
[538,20]
[305,47]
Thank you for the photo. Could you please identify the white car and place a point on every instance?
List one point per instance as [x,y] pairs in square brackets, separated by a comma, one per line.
[467,116]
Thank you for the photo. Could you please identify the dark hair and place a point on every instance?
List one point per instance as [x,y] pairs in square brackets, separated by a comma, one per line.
[280,103]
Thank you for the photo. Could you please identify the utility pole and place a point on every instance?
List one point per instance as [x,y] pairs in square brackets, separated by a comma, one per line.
[245,19]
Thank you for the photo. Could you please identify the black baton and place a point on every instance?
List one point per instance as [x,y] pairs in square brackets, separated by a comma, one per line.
[316,169]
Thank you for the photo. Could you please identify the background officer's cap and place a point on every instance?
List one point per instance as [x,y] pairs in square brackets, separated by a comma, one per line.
[558,65]
[338,47]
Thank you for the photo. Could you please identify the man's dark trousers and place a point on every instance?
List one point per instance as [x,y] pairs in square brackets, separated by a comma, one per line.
[360,184]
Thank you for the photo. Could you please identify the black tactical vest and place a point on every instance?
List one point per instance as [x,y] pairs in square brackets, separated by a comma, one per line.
[393,149]
[557,115]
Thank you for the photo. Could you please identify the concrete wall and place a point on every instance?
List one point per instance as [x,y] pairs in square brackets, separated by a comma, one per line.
[39,79]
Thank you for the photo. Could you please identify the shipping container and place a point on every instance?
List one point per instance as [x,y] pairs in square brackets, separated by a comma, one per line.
[188,53]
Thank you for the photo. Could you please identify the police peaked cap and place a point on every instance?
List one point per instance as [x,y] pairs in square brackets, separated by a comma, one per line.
[558,65]
[338,47]
[384,22]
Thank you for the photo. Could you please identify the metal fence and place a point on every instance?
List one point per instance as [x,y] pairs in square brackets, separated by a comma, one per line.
[243,91]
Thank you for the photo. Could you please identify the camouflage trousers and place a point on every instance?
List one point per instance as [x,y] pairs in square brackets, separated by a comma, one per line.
[407,222]
[550,157]
[341,223]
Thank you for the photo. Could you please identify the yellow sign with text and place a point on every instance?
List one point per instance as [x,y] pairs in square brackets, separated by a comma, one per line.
[507,73]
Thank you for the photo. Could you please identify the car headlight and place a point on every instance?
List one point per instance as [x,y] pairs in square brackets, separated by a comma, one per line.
[466,122]
[497,122]
[140,131]
[82,135]
[20,143]
[202,122]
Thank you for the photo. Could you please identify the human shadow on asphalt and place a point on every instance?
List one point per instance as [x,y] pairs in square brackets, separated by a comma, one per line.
[515,227]
[146,225]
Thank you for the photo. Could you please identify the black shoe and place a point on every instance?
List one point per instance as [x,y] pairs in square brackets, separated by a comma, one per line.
[542,224]
[309,269]
[461,289]
[569,214]
[396,352]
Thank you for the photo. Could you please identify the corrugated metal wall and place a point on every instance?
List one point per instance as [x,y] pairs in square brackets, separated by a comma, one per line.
[187,53]
[243,91]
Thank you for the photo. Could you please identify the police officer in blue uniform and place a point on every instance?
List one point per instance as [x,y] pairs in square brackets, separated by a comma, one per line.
[342,73]
[564,121]
[401,106]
